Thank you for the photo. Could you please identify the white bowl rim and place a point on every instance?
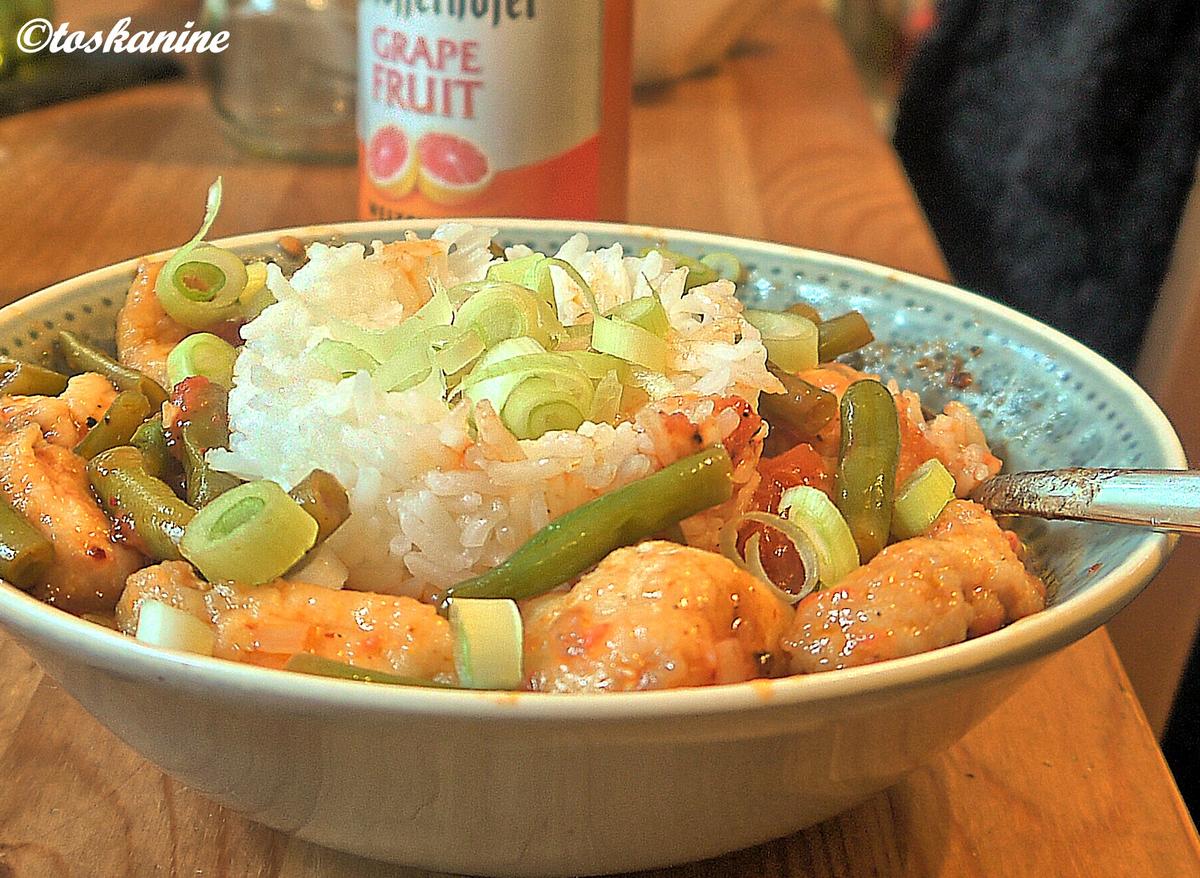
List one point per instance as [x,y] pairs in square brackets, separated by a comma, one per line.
[1021,642]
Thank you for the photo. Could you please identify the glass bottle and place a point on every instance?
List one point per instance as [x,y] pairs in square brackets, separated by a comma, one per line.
[493,108]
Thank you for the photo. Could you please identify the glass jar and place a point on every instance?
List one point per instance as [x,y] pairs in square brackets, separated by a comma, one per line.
[285,85]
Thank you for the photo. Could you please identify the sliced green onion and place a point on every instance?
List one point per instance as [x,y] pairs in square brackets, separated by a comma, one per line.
[921,499]
[488,643]
[406,368]
[202,286]
[507,350]
[752,563]
[526,271]
[438,311]
[806,311]
[655,384]
[840,335]
[572,272]
[202,353]
[198,291]
[598,365]
[537,406]
[726,265]
[534,393]
[500,311]
[255,298]
[815,514]
[381,344]
[460,353]
[252,534]
[160,624]
[646,312]
[344,358]
[629,342]
[791,340]
[319,666]
[606,401]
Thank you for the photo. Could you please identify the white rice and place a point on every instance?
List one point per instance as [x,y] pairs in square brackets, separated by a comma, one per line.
[433,499]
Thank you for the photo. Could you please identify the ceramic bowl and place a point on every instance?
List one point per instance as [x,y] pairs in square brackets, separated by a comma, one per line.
[535,784]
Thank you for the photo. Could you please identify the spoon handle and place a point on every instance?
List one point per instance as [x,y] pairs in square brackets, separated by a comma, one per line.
[1167,500]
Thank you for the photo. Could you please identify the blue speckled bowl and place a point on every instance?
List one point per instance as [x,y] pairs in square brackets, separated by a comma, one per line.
[534,784]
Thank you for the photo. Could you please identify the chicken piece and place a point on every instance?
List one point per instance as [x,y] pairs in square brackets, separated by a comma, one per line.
[653,616]
[63,420]
[267,624]
[145,333]
[963,578]
[47,482]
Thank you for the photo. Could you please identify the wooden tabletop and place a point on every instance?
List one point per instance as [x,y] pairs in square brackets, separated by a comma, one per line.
[1064,779]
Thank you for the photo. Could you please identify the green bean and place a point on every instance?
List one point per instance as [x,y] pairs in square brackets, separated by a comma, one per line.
[151,440]
[805,310]
[584,536]
[203,424]
[26,379]
[866,471]
[124,416]
[144,508]
[841,335]
[81,357]
[802,408]
[25,552]
[319,666]
[322,496]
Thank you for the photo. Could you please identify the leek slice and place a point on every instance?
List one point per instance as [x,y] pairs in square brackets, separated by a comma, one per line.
[752,562]
[381,344]
[726,265]
[344,358]
[606,401]
[507,350]
[160,624]
[791,340]
[488,643]
[646,312]
[815,514]
[252,534]
[630,342]
[499,311]
[533,393]
[200,284]
[202,353]
[460,353]
[921,499]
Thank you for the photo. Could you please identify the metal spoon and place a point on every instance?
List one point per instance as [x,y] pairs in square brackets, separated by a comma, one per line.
[1166,500]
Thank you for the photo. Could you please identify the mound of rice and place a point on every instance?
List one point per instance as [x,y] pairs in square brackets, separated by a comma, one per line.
[436,495]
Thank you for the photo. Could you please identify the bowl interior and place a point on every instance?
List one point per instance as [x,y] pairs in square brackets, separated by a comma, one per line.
[1043,403]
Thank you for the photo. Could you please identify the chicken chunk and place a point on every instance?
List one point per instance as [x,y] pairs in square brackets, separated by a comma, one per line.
[145,333]
[965,577]
[267,624]
[653,616]
[47,482]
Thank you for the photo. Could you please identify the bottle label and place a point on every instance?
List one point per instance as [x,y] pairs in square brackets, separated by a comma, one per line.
[484,107]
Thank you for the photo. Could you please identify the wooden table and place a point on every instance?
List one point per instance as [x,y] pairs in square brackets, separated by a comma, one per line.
[1065,779]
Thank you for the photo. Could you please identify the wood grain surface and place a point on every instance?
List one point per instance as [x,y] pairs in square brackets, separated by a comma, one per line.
[1064,779]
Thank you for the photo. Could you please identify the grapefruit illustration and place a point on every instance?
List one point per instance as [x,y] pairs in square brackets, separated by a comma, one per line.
[391,161]
[452,168]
